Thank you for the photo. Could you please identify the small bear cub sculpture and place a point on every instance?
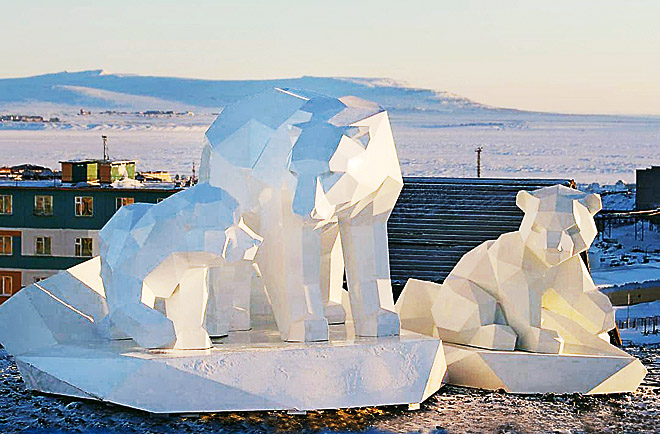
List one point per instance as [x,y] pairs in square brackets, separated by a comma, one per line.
[529,289]
[162,252]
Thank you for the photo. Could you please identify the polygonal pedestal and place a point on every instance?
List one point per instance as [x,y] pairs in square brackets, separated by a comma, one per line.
[526,373]
[252,370]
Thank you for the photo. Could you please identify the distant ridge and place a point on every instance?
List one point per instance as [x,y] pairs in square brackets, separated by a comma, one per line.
[100,89]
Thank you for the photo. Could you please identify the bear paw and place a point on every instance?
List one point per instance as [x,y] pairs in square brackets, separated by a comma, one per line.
[384,323]
[310,329]
[538,340]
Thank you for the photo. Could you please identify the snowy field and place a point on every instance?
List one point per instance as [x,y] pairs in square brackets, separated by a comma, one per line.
[430,144]
[580,149]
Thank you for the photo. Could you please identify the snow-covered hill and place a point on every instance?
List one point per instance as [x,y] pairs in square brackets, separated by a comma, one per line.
[102,90]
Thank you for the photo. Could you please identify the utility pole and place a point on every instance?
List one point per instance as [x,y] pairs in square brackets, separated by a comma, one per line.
[105,147]
[478,151]
[192,181]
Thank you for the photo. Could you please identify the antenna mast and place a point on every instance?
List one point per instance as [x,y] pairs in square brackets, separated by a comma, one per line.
[478,151]
[105,147]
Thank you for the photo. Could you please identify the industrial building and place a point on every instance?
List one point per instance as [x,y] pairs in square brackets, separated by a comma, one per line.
[648,188]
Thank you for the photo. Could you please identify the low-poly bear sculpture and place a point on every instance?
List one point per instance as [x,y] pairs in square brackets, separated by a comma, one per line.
[529,289]
[164,251]
[317,177]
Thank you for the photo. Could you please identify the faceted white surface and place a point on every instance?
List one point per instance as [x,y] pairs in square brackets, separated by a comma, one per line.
[249,370]
[528,290]
[317,178]
[254,370]
[163,253]
[295,191]
[524,372]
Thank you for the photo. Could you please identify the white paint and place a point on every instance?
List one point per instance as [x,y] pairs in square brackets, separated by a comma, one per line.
[294,191]
[317,178]
[528,290]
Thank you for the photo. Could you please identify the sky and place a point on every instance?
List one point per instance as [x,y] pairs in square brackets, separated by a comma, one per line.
[577,56]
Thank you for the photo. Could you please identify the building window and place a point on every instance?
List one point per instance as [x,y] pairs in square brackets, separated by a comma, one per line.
[42,245]
[84,206]
[84,247]
[6,245]
[6,204]
[123,201]
[43,205]
[6,285]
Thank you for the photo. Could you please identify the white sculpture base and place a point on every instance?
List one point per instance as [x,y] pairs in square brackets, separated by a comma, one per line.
[55,341]
[251,370]
[527,373]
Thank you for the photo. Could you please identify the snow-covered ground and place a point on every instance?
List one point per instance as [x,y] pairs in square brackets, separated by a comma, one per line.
[621,247]
[436,132]
[173,150]
[624,276]
[622,263]
[430,144]
[580,149]
[617,197]
[639,334]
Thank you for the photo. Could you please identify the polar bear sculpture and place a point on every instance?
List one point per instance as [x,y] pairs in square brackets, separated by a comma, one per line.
[316,177]
[164,251]
[527,290]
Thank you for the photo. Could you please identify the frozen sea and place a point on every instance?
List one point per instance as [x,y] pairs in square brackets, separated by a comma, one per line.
[587,149]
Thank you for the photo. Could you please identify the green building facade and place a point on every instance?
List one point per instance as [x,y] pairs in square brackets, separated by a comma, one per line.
[47,226]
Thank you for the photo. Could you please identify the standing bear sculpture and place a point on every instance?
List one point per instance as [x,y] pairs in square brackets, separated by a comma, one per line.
[163,252]
[528,290]
[316,177]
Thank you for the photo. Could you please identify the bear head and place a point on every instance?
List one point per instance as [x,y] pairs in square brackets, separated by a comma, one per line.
[327,153]
[558,222]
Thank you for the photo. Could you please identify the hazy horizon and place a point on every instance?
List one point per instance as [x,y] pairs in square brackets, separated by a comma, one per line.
[562,56]
[388,79]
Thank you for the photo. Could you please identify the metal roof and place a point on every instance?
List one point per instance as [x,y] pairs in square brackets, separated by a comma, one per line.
[100,160]
[437,220]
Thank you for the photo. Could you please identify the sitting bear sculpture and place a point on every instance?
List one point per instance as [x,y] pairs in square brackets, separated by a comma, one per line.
[163,252]
[529,289]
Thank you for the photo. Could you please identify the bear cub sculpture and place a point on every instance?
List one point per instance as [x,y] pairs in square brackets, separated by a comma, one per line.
[155,262]
[529,289]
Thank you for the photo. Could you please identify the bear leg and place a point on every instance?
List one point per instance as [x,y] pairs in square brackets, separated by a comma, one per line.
[186,307]
[539,340]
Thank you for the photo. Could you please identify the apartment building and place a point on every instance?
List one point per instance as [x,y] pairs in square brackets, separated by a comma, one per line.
[48,225]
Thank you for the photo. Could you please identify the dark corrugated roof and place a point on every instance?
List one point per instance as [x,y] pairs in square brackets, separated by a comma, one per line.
[437,220]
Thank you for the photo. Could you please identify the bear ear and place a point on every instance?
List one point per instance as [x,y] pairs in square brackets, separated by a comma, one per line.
[524,199]
[592,202]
